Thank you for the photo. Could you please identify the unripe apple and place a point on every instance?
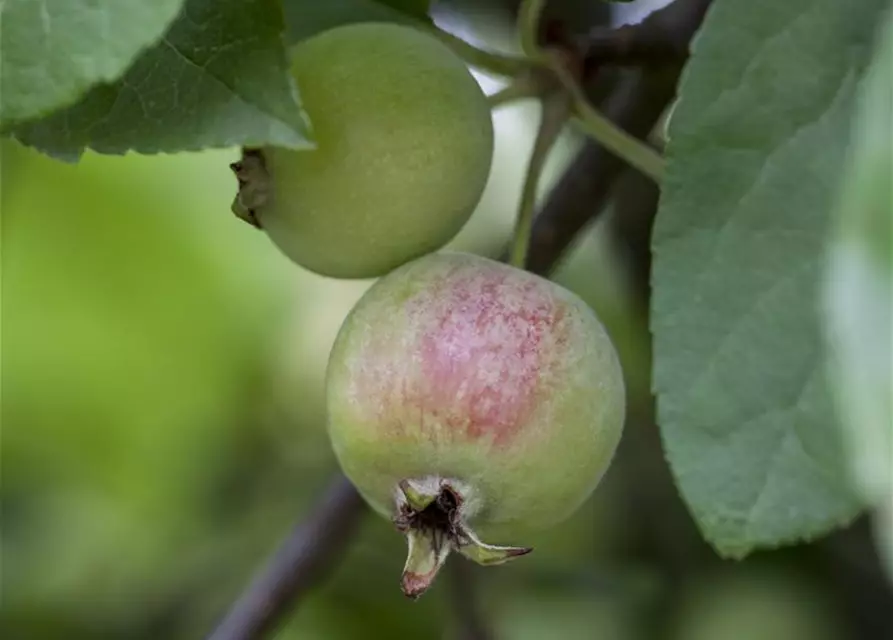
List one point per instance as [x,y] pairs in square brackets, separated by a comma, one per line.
[404,143]
[468,397]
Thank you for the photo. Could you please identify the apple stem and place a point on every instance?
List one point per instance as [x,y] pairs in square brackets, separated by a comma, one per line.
[254,185]
[602,130]
[523,87]
[529,15]
[497,63]
[554,114]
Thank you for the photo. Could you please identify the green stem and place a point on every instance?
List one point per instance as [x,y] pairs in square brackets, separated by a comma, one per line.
[524,86]
[602,130]
[634,151]
[555,109]
[498,63]
[528,25]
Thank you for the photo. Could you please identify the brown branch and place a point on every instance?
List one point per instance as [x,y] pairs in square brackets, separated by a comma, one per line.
[635,201]
[662,38]
[635,105]
[312,549]
[463,593]
[581,193]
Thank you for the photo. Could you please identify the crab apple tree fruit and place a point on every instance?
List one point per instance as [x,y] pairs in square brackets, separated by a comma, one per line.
[404,144]
[471,400]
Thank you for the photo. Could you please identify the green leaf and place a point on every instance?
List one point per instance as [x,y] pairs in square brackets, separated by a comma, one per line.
[54,50]
[859,292]
[218,78]
[309,17]
[757,142]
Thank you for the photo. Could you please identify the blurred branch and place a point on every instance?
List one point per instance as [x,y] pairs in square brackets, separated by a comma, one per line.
[581,193]
[311,551]
[635,105]
[850,558]
[608,135]
[635,200]
[662,38]
[463,592]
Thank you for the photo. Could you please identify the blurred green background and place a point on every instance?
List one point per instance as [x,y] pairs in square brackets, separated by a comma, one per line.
[163,430]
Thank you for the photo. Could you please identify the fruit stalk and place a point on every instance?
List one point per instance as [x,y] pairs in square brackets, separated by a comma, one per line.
[554,113]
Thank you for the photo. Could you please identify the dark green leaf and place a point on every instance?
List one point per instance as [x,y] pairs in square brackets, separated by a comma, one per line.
[757,143]
[308,17]
[218,78]
[54,50]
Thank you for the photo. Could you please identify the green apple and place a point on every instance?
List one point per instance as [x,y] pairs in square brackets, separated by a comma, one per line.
[404,144]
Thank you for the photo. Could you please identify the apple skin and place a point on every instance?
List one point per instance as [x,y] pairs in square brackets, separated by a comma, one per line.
[404,145]
[460,367]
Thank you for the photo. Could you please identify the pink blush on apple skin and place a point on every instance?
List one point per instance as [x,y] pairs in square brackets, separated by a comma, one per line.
[482,350]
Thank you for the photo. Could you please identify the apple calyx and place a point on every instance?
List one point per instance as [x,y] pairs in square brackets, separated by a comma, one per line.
[254,186]
[431,513]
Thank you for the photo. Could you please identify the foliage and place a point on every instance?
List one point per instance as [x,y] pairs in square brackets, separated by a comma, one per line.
[53,51]
[756,141]
[141,319]
[217,78]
